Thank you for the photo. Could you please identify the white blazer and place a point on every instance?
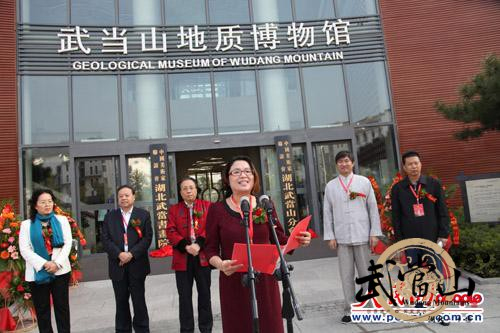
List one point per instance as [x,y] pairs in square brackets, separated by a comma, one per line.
[60,255]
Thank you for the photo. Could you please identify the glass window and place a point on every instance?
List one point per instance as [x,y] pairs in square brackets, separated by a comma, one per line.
[93,12]
[191,104]
[377,153]
[351,8]
[140,12]
[325,96]
[95,108]
[45,109]
[228,11]
[144,106]
[51,12]
[98,179]
[313,9]
[236,98]
[179,12]
[272,10]
[368,93]
[326,170]
[281,99]
[139,177]
[47,168]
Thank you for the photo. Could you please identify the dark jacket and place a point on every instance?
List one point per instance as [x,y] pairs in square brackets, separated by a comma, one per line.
[436,221]
[179,231]
[112,240]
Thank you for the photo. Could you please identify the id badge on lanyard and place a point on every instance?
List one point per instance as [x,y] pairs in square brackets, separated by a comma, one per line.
[418,208]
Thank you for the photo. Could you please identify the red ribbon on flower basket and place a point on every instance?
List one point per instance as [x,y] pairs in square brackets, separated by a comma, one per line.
[165,251]
[7,322]
[380,247]
[76,275]
[136,224]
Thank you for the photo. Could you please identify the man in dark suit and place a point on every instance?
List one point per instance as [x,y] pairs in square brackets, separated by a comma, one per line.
[126,236]
[419,211]
[418,204]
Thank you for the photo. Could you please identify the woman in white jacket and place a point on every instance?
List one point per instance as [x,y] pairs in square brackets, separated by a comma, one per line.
[45,243]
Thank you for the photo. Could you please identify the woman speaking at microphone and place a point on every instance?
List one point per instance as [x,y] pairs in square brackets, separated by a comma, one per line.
[224,229]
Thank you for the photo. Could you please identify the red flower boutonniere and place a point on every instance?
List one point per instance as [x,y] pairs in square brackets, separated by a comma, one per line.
[259,216]
[353,195]
[197,214]
[424,194]
[136,224]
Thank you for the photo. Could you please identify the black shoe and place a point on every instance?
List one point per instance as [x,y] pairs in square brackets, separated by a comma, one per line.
[346,319]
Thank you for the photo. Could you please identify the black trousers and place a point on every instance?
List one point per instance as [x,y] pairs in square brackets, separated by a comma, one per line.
[184,280]
[125,288]
[40,294]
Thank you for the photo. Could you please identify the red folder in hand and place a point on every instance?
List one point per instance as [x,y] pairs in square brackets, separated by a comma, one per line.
[264,257]
[292,243]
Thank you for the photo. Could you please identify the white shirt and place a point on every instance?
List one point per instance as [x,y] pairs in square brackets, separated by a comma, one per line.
[350,221]
[59,254]
[126,215]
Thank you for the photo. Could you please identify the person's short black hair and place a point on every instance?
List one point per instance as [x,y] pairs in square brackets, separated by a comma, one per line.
[34,199]
[183,179]
[125,186]
[344,154]
[409,153]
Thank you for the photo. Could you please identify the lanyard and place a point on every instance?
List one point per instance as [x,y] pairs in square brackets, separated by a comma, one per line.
[125,237]
[416,194]
[346,188]
[192,234]
[250,217]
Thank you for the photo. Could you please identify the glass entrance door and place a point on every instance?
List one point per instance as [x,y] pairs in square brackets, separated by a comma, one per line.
[97,180]
[324,159]
[207,167]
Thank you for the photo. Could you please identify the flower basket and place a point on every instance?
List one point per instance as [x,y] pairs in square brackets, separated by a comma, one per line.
[385,211]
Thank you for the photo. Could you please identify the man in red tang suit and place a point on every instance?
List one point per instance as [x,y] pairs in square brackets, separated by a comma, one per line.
[186,233]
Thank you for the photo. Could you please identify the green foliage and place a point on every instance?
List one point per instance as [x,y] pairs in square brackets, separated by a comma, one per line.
[479,248]
[480,102]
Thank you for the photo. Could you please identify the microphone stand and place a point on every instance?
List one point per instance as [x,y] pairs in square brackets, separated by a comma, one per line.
[248,279]
[290,302]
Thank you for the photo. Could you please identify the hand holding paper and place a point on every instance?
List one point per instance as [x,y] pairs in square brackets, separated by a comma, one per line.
[264,257]
[298,234]
[228,267]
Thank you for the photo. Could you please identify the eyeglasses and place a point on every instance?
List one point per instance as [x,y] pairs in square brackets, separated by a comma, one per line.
[238,172]
[45,203]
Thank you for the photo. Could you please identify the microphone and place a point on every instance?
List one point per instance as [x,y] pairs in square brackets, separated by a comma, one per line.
[266,202]
[245,205]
